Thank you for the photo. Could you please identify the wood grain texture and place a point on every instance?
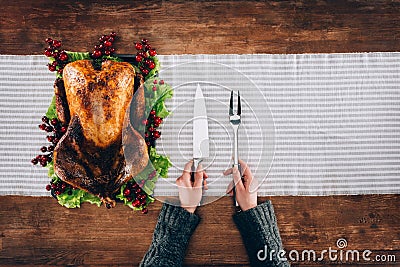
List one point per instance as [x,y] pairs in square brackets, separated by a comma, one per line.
[37,231]
[211,27]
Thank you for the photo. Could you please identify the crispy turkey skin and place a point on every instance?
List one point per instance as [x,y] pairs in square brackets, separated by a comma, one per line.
[100,150]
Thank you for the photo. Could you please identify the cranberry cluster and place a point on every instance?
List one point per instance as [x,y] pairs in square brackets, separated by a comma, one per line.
[144,56]
[60,56]
[55,130]
[136,195]
[105,46]
[59,187]
[152,123]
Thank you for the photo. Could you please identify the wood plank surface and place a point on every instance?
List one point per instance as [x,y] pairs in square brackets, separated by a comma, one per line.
[211,27]
[37,231]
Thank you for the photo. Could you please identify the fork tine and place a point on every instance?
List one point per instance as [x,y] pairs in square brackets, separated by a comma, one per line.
[231,105]
[239,109]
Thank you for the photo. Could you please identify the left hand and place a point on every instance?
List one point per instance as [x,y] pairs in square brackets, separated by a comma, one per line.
[190,193]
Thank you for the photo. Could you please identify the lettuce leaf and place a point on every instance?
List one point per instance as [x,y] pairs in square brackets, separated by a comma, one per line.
[160,163]
[74,56]
[52,111]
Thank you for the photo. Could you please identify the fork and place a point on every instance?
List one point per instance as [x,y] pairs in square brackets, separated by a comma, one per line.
[234,120]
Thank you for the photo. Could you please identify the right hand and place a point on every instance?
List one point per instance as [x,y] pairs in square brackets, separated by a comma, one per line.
[191,192]
[246,188]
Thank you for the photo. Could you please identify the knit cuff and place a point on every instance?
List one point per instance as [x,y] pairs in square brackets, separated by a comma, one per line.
[259,228]
[261,215]
[176,217]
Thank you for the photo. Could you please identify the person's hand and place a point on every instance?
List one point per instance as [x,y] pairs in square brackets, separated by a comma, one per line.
[246,188]
[190,193]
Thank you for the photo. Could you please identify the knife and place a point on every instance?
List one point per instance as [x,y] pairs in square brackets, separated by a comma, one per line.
[201,144]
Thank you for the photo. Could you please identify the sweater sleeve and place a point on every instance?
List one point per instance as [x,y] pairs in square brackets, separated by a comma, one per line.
[171,236]
[260,235]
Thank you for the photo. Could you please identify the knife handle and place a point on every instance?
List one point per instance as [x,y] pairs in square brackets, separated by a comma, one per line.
[195,164]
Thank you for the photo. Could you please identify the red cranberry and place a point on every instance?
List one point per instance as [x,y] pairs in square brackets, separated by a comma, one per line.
[147,47]
[63,56]
[138,191]
[56,43]
[152,52]
[145,122]
[50,148]
[48,52]
[52,67]
[103,38]
[154,88]
[151,65]
[113,34]
[54,122]
[96,54]
[144,41]
[49,40]
[48,187]
[127,192]
[43,149]
[49,129]
[45,119]
[50,138]
[145,211]
[107,43]
[152,112]
[136,203]
[158,120]
[138,58]
[138,46]
[34,161]
[157,134]
[145,71]
[42,127]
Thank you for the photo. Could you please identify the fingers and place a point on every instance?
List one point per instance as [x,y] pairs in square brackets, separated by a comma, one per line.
[245,168]
[198,176]
[236,178]
[184,179]
[205,185]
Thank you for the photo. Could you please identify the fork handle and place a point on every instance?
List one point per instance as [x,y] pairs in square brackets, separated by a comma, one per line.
[234,186]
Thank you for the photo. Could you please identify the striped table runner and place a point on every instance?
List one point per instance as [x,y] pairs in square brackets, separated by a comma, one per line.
[313,124]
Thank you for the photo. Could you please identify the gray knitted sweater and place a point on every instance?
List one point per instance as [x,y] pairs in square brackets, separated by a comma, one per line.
[175,226]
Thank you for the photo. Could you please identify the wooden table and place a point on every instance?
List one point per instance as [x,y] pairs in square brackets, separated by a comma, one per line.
[36,231]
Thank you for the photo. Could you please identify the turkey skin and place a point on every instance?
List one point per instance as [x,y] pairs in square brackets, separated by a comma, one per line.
[101,150]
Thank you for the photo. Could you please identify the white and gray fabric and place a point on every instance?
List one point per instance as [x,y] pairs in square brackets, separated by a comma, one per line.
[312,124]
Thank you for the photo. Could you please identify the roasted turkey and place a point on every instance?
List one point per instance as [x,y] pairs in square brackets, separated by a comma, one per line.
[101,149]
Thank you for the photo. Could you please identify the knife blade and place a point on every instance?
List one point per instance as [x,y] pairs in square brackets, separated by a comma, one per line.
[200,130]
